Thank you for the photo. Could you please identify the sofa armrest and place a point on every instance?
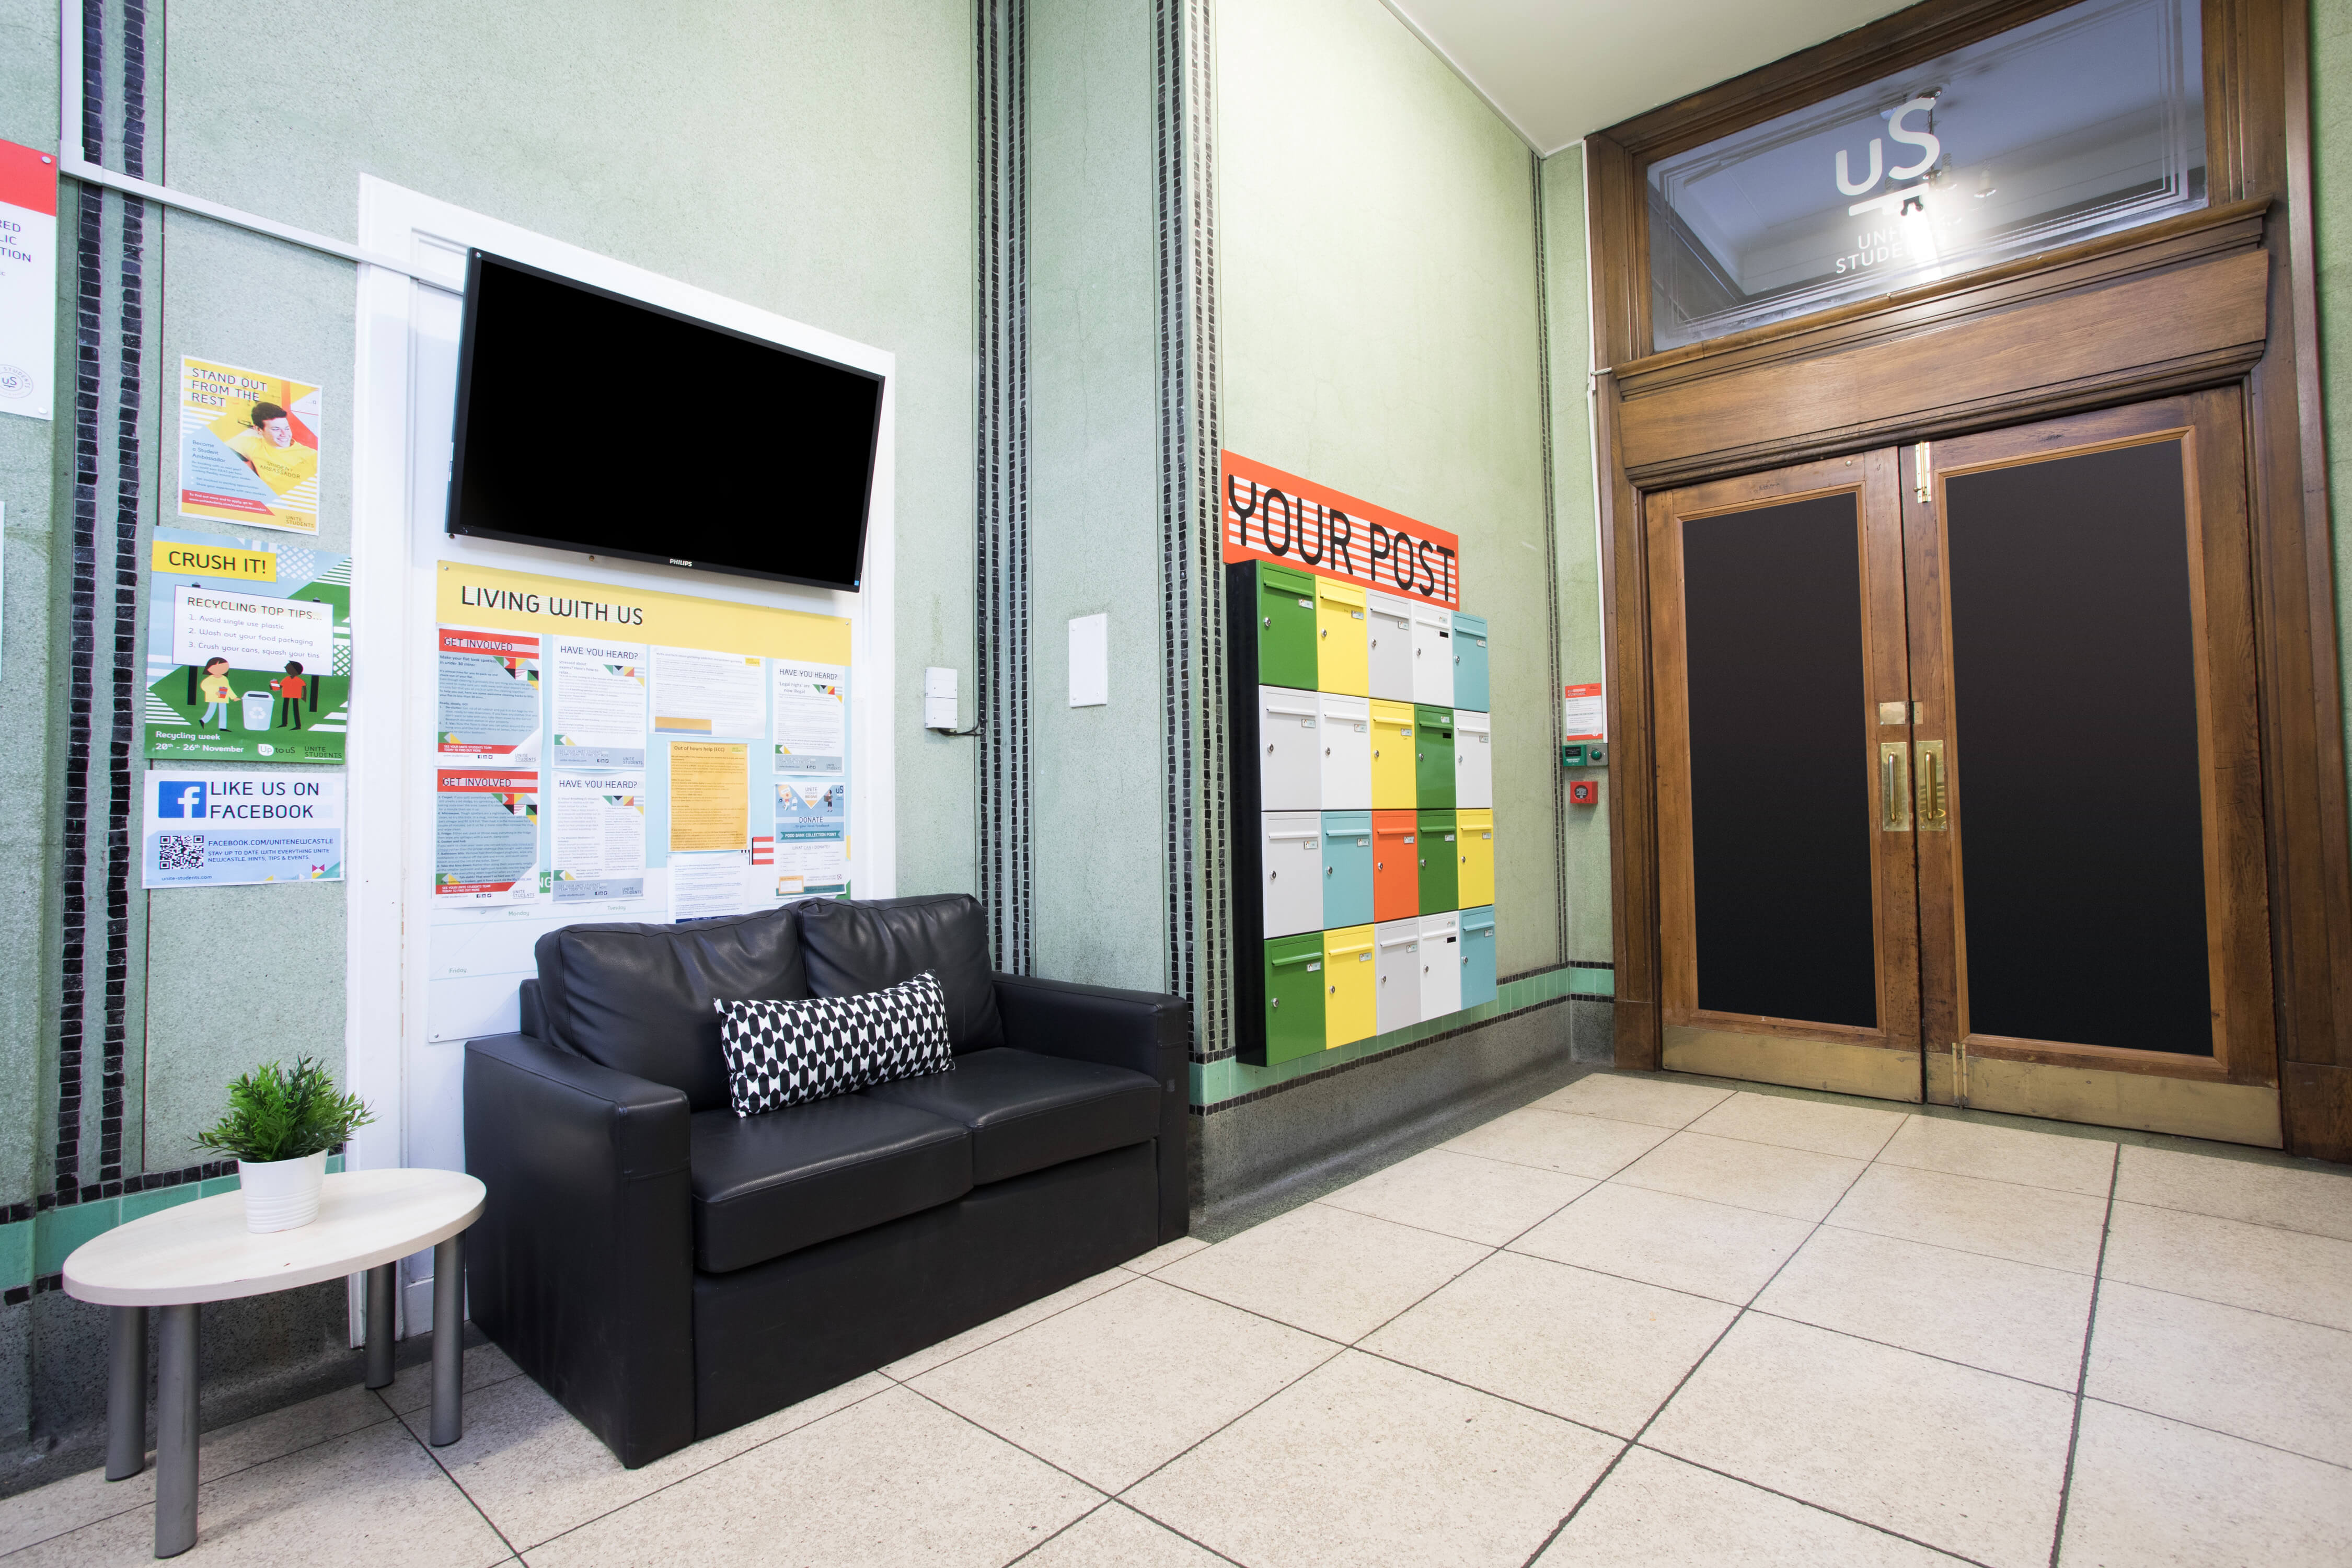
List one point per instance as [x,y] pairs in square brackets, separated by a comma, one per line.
[582,1265]
[1143,1030]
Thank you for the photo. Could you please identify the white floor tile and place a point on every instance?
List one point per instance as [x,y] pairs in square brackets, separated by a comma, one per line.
[1012,1322]
[2084,1165]
[1486,1200]
[2272,1380]
[1327,1271]
[1685,1243]
[2294,1198]
[1654,1512]
[2153,1492]
[1795,1183]
[1962,1460]
[1364,1464]
[1167,1252]
[1648,1098]
[1999,1219]
[1592,1347]
[1557,1140]
[1853,1131]
[2293,1274]
[1115,1536]
[1119,1385]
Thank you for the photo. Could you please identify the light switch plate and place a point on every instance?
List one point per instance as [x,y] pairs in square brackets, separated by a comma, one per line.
[1089,661]
[939,698]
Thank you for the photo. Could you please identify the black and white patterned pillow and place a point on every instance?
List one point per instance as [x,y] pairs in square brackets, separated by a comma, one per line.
[784,1053]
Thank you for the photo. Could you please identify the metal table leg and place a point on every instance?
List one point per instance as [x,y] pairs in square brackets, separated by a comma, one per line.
[126,1393]
[381,1282]
[448,1341]
[175,1430]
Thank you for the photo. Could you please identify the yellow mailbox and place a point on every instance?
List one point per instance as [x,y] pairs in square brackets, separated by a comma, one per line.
[1394,782]
[1473,845]
[1349,996]
[1342,639]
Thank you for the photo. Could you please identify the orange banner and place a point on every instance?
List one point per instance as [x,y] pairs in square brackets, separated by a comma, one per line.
[1270,515]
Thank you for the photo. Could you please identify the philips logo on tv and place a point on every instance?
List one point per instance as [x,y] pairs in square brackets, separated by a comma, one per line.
[180,797]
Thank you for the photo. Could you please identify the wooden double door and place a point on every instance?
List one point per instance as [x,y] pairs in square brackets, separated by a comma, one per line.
[1958,774]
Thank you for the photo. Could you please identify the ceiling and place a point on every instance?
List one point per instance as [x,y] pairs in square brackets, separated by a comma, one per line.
[1559,69]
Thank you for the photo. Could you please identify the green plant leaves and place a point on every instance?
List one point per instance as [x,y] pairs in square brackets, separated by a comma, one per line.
[277,1112]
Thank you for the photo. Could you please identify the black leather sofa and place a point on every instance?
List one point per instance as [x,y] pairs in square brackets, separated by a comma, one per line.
[667,1269]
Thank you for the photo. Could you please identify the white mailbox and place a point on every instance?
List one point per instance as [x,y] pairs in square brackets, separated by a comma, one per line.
[1289,751]
[1440,965]
[1433,654]
[1290,874]
[1347,728]
[1397,974]
[1392,647]
[1473,761]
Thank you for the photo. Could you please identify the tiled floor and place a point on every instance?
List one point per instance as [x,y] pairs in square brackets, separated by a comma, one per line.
[1642,1321]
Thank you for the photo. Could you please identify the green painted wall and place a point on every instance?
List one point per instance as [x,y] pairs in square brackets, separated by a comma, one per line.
[1379,326]
[2331,155]
[1101,861]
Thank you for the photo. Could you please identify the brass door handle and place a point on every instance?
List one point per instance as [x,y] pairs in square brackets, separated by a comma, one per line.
[1934,816]
[1894,788]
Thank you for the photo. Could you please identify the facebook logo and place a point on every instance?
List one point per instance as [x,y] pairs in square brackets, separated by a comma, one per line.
[180,797]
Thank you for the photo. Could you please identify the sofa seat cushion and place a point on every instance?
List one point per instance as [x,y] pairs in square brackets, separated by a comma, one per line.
[1027,1111]
[767,1186]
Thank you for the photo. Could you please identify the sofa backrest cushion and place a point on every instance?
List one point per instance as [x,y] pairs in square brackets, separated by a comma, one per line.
[855,946]
[638,998]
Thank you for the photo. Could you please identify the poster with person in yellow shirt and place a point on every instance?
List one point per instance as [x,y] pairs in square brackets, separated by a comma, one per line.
[248,447]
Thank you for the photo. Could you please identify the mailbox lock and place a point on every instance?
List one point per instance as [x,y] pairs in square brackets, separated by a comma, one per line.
[1326,870]
[1325,631]
[1274,1001]
[1269,620]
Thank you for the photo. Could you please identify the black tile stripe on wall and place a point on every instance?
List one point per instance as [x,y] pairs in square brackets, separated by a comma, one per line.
[1002,680]
[89,208]
[1555,723]
[131,307]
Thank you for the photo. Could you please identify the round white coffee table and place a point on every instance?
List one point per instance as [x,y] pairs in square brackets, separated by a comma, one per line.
[178,1258]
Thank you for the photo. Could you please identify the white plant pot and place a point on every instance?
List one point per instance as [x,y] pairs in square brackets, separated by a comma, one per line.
[281,1194]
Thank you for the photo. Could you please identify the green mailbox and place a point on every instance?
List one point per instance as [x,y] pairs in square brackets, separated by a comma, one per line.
[1294,996]
[1432,753]
[1286,628]
[1441,861]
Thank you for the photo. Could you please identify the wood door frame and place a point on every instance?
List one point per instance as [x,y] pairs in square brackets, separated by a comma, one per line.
[2233,292]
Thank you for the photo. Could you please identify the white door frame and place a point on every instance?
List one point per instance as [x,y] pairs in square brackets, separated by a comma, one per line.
[405,380]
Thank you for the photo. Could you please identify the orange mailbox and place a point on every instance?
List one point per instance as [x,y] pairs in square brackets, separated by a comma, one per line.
[1396,875]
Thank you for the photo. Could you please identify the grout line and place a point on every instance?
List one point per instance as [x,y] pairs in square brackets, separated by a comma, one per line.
[1909,1350]
[2082,1369]
[2218,1432]
[2231,1306]
[1024,1328]
[1830,1222]
[513,1551]
[2231,1219]
[1813,1507]
[1028,1552]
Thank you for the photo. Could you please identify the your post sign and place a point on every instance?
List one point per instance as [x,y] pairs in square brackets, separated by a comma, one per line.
[1270,515]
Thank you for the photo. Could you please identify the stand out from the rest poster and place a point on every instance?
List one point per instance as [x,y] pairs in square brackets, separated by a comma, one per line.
[248,447]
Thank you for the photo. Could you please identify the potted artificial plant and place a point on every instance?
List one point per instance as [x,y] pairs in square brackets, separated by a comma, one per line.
[281,1122]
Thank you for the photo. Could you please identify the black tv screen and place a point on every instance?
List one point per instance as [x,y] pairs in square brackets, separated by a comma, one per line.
[587,421]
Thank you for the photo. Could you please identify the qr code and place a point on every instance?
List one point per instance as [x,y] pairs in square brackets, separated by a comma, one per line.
[179,851]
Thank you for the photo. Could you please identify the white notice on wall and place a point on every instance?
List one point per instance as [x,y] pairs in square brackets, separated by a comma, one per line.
[600,836]
[697,692]
[250,631]
[29,280]
[1583,713]
[701,886]
[812,716]
[600,704]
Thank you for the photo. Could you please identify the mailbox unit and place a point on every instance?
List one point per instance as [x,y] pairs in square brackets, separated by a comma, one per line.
[1284,624]
[1440,873]
[1433,654]
[1432,756]
[1473,845]
[1290,879]
[1396,866]
[1440,965]
[1293,981]
[1347,868]
[1477,956]
[1398,971]
[1470,662]
[1342,639]
[1474,759]
[1347,736]
[1393,778]
[1350,987]
[1289,749]
[1391,650]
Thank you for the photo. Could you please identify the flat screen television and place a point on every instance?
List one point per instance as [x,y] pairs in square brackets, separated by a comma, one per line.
[592,421]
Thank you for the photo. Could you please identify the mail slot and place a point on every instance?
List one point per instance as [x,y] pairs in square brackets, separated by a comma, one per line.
[1477,956]
[1286,627]
[1347,868]
[1470,662]
[1396,866]
[1348,987]
[1396,968]
[1342,638]
[1432,754]
[1392,765]
[1290,875]
[1289,749]
[1294,997]
[1346,733]
[1441,965]
[1473,845]
[1391,653]
[1474,759]
[1433,654]
[1439,874]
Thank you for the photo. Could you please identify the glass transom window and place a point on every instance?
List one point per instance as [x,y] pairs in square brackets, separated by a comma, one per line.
[2079,123]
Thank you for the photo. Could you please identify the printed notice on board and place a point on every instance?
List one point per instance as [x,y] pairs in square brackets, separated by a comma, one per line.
[600,836]
[701,693]
[248,447]
[811,850]
[29,280]
[709,797]
[600,703]
[208,829]
[485,837]
[489,697]
[1583,713]
[702,885]
[812,716]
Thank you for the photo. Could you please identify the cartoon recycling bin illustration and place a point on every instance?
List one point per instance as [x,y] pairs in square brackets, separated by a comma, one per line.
[257,704]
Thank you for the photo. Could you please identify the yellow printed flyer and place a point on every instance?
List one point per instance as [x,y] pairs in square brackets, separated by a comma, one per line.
[248,447]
